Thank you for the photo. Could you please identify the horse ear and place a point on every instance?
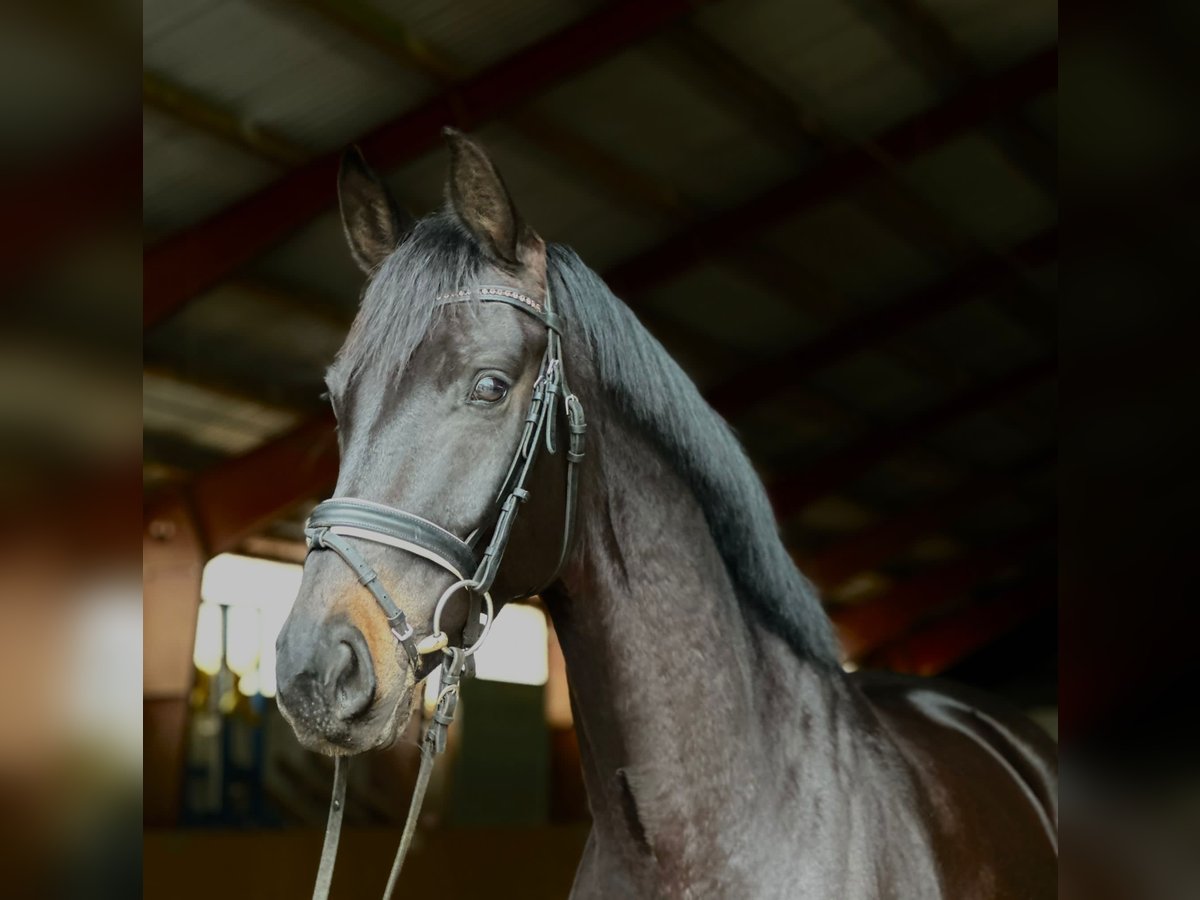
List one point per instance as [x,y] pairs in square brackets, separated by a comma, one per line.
[373,223]
[482,202]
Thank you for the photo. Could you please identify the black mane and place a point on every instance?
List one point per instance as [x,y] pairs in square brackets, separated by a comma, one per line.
[642,381]
[439,256]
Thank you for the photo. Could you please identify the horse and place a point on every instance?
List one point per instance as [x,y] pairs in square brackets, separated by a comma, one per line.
[725,751]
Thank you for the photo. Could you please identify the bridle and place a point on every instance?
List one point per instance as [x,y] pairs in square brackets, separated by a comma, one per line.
[336,523]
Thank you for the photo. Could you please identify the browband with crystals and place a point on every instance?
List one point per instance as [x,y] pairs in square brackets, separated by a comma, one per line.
[511,296]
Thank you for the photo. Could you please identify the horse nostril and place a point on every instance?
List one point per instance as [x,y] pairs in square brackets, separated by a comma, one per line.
[350,679]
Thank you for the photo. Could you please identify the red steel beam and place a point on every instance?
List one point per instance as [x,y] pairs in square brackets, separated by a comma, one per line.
[237,497]
[762,381]
[953,638]
[869,626]
[790,495]
[838,173]
[877,544]
[184,265]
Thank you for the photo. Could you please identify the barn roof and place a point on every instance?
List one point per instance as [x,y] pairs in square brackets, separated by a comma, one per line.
[873,180]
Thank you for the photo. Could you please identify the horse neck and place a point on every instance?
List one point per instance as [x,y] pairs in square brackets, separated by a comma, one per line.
[695,722]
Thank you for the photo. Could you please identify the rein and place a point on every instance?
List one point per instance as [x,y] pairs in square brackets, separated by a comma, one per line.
[336,523]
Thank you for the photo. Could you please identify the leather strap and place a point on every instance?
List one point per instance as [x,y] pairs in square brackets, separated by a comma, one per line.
[396,523]
[369,578]
[333,828]
[432,746]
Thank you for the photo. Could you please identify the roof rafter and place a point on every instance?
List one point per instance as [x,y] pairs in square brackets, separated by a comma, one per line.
[181,266]
[883,541]
[724,231]
[826,476]
[866,627]
[183,105]
[793,125]
[796,128]
[928,44]
[762,381]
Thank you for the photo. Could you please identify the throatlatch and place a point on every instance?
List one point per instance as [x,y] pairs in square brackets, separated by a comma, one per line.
[336,523]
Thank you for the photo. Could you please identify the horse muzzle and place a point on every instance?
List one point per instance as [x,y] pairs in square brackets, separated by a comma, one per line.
[326,681]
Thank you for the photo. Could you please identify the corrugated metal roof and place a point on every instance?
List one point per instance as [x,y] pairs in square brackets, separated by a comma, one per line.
[716,302]
[281,67]
[477,33]
[316,260]
[972,183]
[667,127]
[208,418]
[284,362]
[827,56]
[878,387]
[832,241]
[998,33]
[188,175]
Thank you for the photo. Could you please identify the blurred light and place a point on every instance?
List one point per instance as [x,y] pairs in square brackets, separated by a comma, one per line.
[248,684]
[207,653]
[259,594]
[233,580]
[516,650]
[243,639]
[849,666]
[558,693]
[106,714]
[859,588]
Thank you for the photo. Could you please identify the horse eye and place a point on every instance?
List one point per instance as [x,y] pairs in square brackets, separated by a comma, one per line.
[490,389]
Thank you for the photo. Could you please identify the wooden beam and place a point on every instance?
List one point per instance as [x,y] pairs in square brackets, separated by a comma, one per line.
[952,638]
[229,502]
[723,232]
[865,628]
[727,79]
[241,495]
[186,264]
[762,381]
[790,495]
[928,45]
[177,102]
[173,557]
[778,117]
[164,757]
[877,544]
